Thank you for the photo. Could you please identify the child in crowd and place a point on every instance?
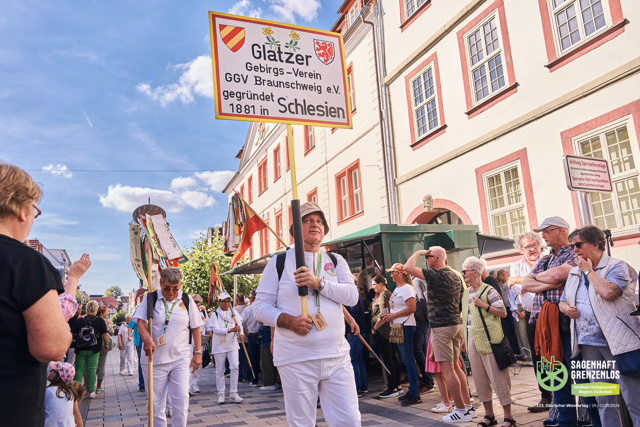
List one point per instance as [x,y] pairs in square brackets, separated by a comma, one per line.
[434,367]
[62,396]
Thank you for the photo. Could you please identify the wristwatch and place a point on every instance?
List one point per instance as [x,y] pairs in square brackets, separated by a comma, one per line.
[586,273]
[198,352]
[535,277]
[320,289]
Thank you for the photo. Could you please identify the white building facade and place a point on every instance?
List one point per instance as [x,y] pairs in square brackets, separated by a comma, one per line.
[477,103]
[491,94]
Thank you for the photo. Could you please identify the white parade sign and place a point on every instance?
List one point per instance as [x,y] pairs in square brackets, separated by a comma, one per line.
[588,174]
[267,71]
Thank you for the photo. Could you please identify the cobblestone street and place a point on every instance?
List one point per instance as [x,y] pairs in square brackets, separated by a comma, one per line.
[121,404]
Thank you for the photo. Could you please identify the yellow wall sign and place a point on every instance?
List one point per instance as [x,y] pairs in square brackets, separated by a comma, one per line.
[265,71]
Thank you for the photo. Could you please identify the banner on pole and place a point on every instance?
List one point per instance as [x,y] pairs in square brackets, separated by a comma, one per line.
[136,253]
[165,238]
[266,71]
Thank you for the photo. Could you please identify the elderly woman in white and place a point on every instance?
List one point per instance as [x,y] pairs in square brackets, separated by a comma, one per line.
[224,324]
[598,297]
[485,301]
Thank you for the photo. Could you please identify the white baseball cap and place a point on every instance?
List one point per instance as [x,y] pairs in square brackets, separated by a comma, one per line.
[551,222]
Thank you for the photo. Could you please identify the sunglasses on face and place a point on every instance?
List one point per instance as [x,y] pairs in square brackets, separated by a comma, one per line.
[170,289]
[226,301]
[578,245]
[466,271]
[38,211]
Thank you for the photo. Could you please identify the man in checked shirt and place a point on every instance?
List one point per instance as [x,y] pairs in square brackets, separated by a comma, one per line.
[547,280]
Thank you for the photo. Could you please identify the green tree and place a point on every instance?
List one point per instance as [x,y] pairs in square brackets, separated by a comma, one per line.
[197,271]
[81,298]
[118,317]
[113,291]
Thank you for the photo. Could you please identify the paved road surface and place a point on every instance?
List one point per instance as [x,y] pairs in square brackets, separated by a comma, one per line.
[121,404]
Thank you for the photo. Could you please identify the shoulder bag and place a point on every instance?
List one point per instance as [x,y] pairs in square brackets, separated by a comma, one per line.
[502,351]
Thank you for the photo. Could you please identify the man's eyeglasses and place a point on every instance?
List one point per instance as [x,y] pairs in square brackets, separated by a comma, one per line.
[430,256]
[38,211]
[578,245]
[170,289]
[549,231]
[466,271]
[534,246]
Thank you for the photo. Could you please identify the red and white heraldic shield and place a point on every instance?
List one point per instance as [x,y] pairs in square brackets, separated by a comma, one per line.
[325,51]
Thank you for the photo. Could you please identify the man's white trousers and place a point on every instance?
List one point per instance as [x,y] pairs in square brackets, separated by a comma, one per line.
[233,367]
[170,380]
[126,358]
[333,380]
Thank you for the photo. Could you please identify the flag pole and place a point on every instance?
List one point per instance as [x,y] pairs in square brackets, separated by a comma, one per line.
[303,291]
[150,308]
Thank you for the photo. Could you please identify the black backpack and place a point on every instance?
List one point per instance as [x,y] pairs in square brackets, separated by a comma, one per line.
[86,336]
[282,257]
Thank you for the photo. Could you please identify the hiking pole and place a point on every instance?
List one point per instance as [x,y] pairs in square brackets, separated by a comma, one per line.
[369,348]
[150,308]
[244,347]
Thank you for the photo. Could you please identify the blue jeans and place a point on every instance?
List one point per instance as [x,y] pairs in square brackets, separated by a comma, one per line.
[567,415]
[253,348]
[357,361]
[140,377]
[420,350]
[406,352]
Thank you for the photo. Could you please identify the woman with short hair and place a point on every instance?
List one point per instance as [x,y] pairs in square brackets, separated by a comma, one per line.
[486,304]
[102,359]
[87,356]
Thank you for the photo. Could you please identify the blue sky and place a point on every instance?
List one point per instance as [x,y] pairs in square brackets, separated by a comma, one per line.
[93,92]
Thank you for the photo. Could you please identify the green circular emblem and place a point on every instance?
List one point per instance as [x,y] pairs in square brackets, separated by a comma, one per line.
[551,375]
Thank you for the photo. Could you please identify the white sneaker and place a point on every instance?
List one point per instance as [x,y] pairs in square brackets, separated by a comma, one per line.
[269,387]
[123,373]
[221,398]
[442,408]
[196,389]
[92,395]
[471,411]
[457,416]
[235,398]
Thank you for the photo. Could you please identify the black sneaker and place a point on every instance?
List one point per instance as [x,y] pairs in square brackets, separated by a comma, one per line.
[388,393]
[364,389]
[403,397]
[360,393]
[411,400]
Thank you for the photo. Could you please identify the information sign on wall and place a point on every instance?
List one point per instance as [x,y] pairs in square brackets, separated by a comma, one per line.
[588,174]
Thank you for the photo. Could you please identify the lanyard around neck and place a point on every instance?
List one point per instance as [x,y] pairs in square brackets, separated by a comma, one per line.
[167,314]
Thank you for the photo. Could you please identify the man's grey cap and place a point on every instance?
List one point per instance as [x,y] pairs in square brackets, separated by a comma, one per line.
[552,221]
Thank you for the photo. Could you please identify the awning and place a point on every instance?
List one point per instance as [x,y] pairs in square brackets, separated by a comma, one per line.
[493,246]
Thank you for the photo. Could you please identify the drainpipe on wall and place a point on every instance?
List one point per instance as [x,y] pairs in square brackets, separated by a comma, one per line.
[387,151]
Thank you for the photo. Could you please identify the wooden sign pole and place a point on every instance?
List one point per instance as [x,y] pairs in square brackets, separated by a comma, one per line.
[297,221]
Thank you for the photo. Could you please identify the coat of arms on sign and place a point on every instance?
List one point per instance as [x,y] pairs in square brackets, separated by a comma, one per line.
[233,37]
[324,51]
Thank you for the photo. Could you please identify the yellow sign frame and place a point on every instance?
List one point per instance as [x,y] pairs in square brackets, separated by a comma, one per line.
[273,119]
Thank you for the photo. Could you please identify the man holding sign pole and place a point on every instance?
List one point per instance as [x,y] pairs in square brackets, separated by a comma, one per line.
[311,353]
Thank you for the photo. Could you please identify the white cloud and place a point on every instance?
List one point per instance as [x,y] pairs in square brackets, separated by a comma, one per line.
[55,221]
[197,199]
[196,79]
[289,9]
[57,170]
[216,180]
[125,198]
[245,8]
[183,182]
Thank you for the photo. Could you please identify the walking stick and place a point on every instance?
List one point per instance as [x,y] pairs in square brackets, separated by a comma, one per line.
[150,308]
[244,347]
[369,348]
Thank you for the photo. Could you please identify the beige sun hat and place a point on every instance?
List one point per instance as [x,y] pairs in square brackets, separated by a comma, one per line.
[309,208]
